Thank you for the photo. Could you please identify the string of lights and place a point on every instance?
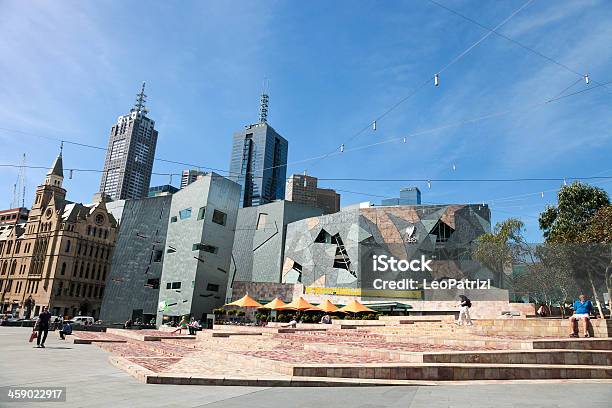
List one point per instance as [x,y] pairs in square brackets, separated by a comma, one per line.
[435,78]
[583,76]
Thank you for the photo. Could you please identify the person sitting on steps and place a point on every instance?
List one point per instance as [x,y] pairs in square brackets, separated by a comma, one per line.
[582,310]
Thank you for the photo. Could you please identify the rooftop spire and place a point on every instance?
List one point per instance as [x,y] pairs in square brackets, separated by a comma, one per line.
[57,169]
[263,103]
[141,99]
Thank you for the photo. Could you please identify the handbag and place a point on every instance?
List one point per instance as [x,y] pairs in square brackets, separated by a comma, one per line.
[33,336]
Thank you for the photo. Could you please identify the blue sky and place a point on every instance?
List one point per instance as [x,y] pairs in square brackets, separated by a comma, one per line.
[69,68]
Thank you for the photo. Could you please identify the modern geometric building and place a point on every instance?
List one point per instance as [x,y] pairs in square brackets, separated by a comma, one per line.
[164,189]
[132,287]
[130,154]
[59,257]
[334,252]
[259,162]
[408,196]
[259,241]
[198,252]
[189,176]
[303,189]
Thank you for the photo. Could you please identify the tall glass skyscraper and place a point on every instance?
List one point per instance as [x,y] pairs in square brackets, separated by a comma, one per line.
[259,164]
[129,157]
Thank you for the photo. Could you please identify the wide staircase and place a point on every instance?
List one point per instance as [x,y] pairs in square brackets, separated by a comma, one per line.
[393,350]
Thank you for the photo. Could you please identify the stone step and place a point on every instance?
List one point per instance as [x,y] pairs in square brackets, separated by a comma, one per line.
[538,356]
[455,371]
[547,357]
[575,344]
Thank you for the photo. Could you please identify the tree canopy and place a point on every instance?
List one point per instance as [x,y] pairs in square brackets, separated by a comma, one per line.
[578,203]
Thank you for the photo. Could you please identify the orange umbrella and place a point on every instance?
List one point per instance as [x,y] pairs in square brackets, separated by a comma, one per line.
[277,303]
[299,304]
[328,307]
[355,307]
[245,301]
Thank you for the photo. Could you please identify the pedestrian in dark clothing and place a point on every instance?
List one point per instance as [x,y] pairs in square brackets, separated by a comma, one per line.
[42,325]
[66,330]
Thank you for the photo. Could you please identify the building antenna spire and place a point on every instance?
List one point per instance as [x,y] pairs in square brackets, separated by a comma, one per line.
[263,102]
[141,99]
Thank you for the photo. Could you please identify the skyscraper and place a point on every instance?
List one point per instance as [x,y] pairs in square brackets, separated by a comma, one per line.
[408,196]
[303,189]
[259,161]
[130,154]
[189,176]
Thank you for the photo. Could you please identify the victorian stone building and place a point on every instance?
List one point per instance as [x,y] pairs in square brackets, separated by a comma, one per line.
[59,257]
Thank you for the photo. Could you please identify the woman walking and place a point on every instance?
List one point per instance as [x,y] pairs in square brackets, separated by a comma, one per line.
[464,311]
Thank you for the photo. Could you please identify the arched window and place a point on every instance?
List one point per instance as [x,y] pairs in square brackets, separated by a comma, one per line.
[63,271]
[68,246]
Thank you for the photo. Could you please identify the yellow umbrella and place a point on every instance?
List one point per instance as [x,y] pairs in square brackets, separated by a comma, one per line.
[355,307]
[328,307]
[245,301]
[277,303]
[299,304]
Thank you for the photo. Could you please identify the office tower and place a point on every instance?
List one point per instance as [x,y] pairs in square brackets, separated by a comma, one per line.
[408,196]
[259,161]
[130,154]
[303,189]
[189,176]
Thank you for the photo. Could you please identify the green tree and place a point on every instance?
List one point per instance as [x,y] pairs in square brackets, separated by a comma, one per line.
[500,249]
[578,204]
[599,230]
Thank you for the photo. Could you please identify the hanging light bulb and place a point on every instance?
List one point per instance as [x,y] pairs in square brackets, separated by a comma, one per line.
[437,79]
[564,182]
[342,148]
[428,183]
[170,181]
[374,125]
[542,194]
[404,139]
[587,79]
[70,174]
[454,167]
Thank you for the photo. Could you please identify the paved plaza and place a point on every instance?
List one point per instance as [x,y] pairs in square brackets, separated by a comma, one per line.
[92,382]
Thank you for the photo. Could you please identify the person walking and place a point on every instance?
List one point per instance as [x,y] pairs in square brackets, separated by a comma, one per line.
[464,311]
[183,324]
[42,325]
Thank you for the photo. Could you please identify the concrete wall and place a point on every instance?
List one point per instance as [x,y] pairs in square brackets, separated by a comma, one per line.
[135,266]
[259,247]
[196,269]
